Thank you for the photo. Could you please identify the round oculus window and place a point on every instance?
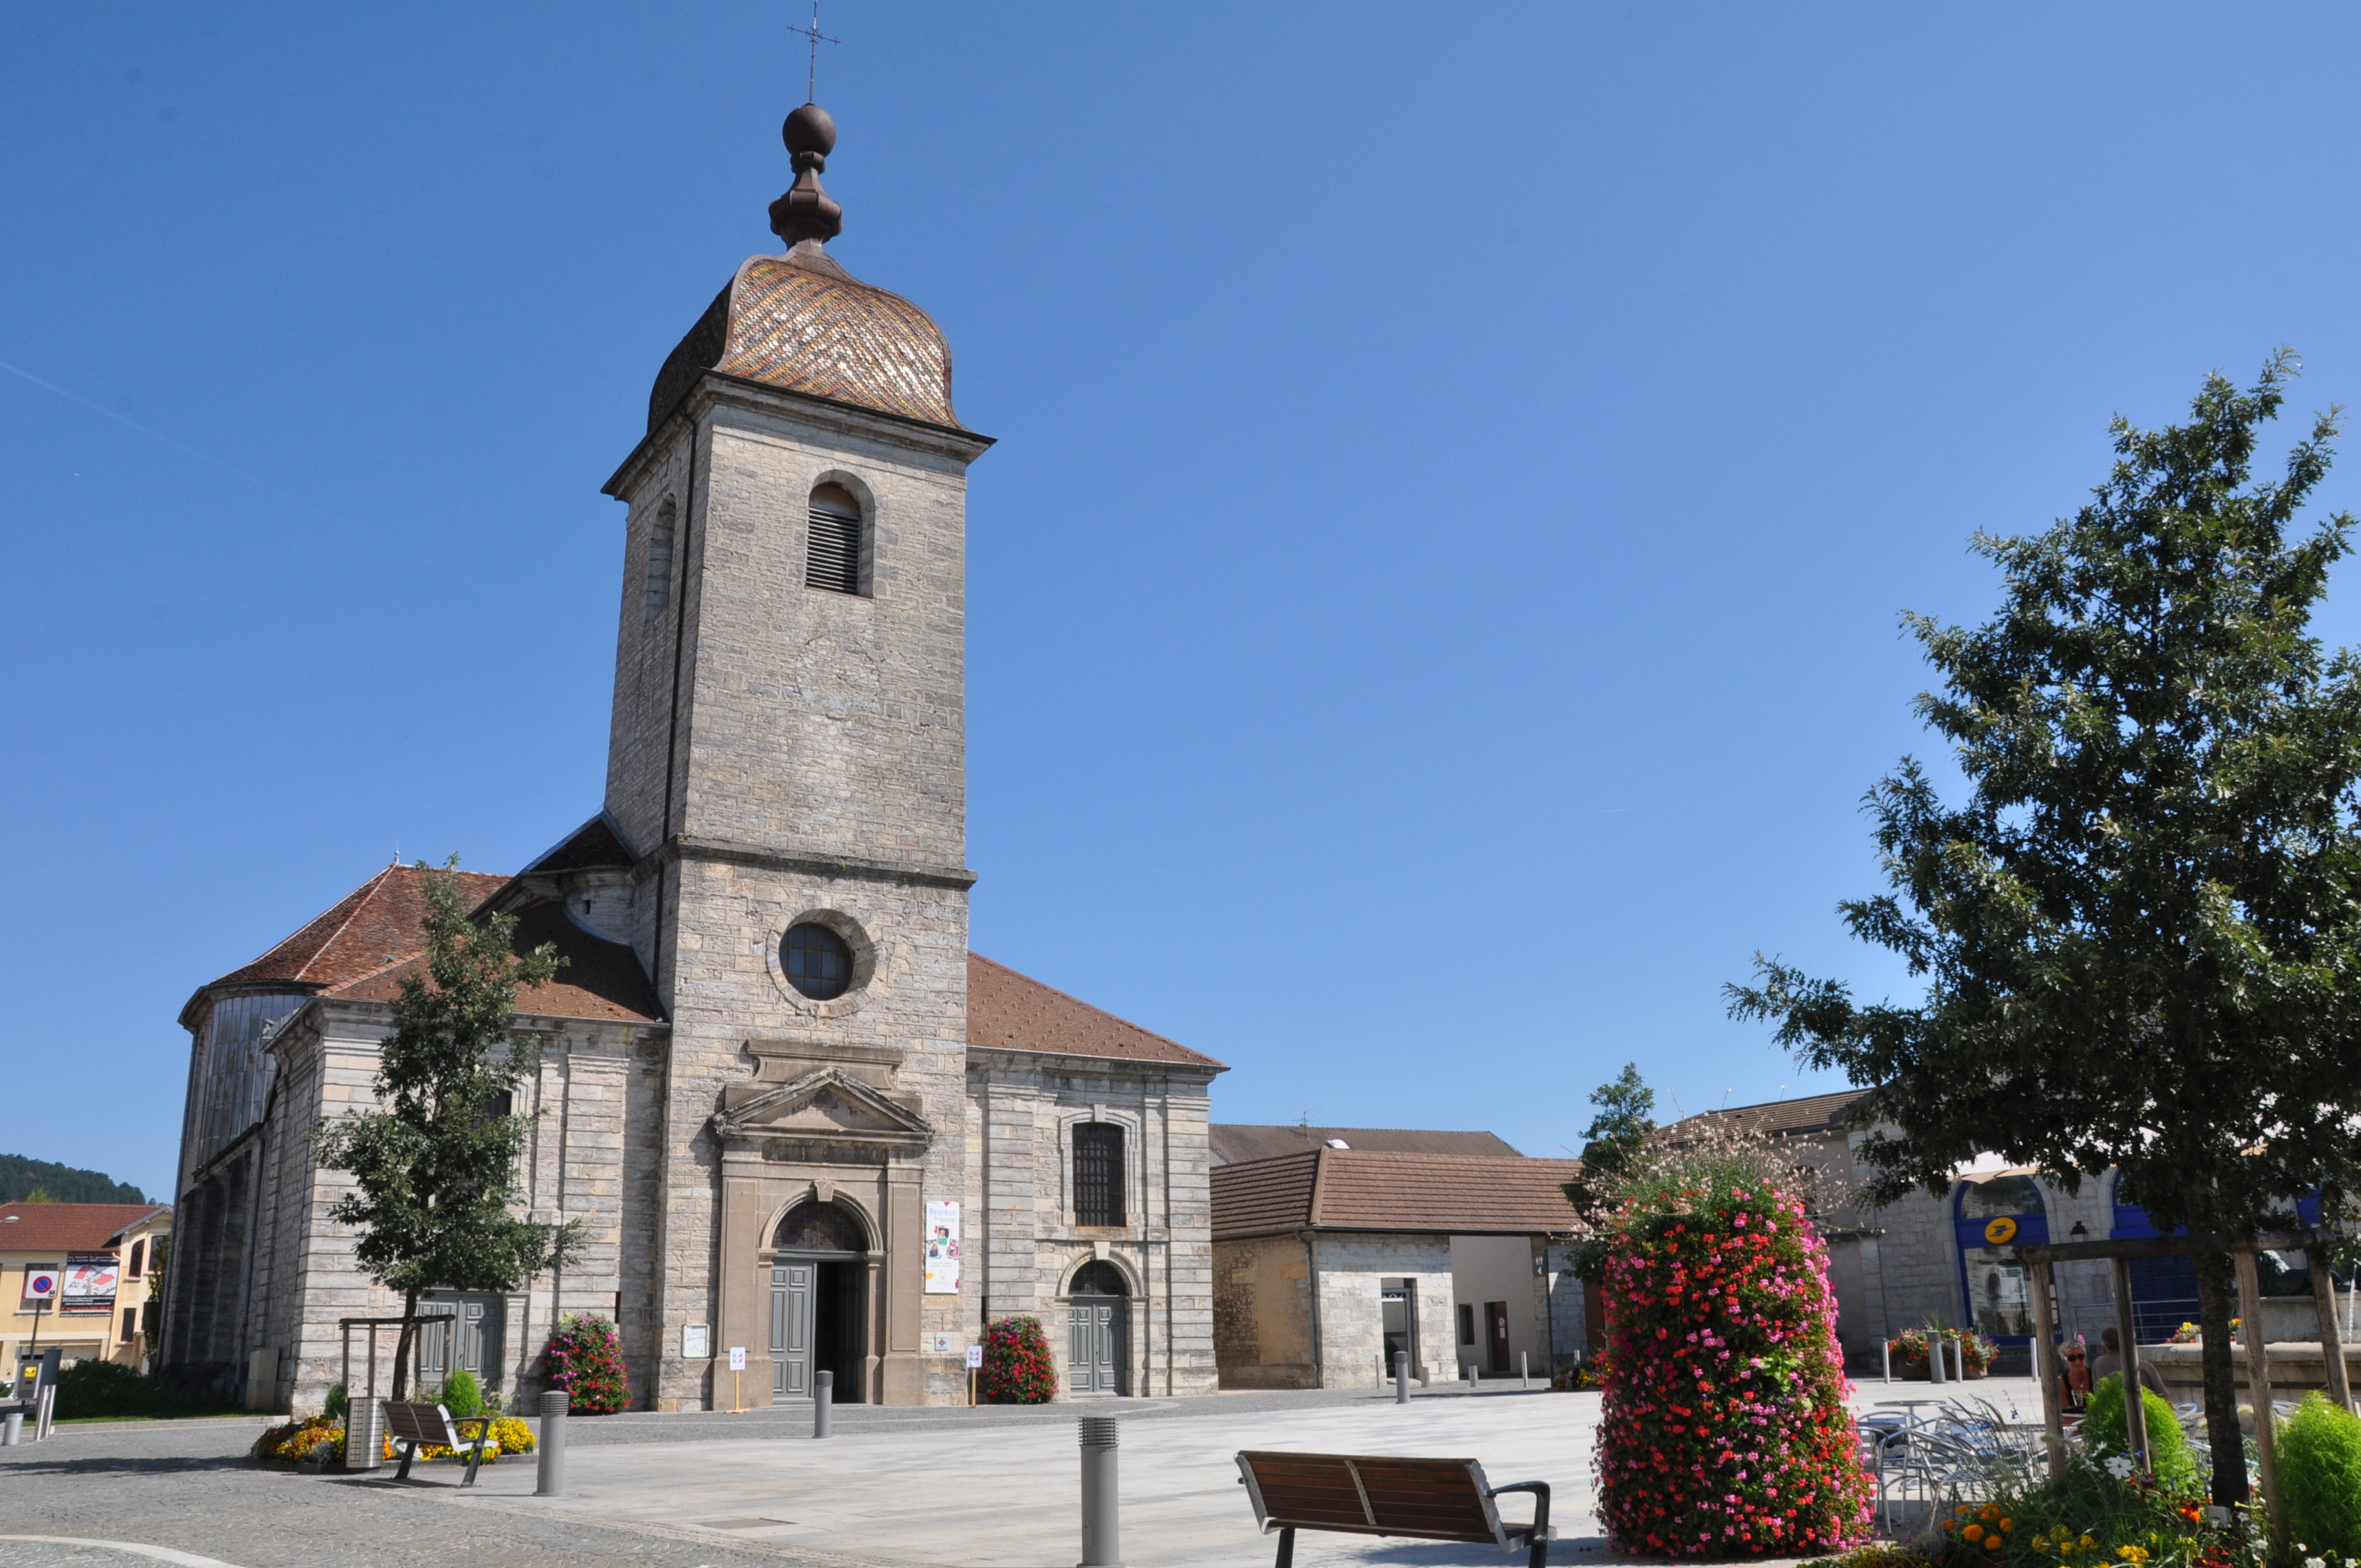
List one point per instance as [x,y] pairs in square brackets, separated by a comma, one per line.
[818,961]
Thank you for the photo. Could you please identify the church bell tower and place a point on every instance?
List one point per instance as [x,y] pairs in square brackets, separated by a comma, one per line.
[787,766]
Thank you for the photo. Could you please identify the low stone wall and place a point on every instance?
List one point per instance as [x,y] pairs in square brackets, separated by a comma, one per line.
[2296,1367]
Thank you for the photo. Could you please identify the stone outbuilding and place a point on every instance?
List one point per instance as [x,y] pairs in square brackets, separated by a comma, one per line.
[1329,1261]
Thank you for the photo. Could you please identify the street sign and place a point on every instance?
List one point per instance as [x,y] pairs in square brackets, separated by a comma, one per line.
[974,1356]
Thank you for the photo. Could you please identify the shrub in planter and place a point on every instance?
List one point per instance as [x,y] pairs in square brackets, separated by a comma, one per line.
[462,1395]
[2098,1514]
[2320,1476]
[1016,1365]
[586,1361]
[1724,1429]
[2104,1428]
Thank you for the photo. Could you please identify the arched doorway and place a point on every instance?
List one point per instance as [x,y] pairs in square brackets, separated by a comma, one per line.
[1996,1215]
[820,1299]
[1098,1351]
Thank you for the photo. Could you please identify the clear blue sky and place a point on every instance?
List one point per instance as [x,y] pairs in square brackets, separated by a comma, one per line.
[1434,600]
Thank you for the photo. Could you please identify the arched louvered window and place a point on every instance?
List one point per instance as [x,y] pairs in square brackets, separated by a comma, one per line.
[832,548]
[1098,1174]
[660,542]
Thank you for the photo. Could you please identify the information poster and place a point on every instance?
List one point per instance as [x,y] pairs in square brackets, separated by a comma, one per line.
[90,1282]
[942,1246]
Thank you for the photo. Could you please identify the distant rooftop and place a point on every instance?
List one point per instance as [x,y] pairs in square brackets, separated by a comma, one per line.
[1235,1142]
[1783,1118]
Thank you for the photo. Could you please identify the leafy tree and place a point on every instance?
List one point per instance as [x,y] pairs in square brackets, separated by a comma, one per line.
[2139,932]
[435,1166]
[1614,1138]
[45,1181]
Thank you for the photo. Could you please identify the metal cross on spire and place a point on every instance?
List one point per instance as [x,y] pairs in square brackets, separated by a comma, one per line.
[811,78]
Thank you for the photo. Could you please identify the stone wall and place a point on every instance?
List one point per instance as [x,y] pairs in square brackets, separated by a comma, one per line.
[1351,1323]
[1262,1312]
[1023,1107]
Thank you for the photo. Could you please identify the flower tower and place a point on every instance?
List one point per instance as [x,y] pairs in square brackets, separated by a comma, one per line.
[1724,1429]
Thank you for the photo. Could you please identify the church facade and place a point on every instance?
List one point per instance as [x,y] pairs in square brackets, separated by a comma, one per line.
[792,1112]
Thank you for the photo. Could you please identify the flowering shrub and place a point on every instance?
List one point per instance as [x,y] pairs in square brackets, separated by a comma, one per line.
[2099,1514]
[507,1435]
[317,1439]
[2108,1436]
[1875,1554]
[1724,1429]
[586,1360]
[1016,1365]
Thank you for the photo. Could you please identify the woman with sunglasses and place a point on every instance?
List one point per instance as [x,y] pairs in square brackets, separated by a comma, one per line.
[2074,1380]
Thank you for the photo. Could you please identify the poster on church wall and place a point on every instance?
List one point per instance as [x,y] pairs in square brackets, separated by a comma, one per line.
[942,1247]
[90,1282]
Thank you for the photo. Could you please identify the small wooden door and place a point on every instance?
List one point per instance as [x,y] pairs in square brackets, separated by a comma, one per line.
[1095,1351]
[1496,1320]
[791,1331]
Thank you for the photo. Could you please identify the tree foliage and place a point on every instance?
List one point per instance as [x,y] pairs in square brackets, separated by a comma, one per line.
[435,1164]
[2138,931]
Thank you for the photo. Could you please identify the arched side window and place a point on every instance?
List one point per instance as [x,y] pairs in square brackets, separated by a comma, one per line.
[832,552]
[660,544]
[1098,1174]
[2002,1195]
[1098,1277]
[820,1227]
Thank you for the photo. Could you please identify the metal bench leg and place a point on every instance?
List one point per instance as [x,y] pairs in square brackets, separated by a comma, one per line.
[408,1452]
[1286,1547]
[476,1457]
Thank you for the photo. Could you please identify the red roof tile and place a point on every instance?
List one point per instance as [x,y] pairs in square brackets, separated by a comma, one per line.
[373,926]
[1783,1118]
[598,980]
[1354,1189]
[1009,1012]
[69,1227]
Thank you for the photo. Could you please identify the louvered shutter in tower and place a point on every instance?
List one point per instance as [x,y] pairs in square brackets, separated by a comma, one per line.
[833,550]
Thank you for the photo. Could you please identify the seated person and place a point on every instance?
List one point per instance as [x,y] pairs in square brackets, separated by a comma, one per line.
[2110,1364]
[2074,1381]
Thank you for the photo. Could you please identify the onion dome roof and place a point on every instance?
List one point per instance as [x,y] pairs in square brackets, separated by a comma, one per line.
[802,323]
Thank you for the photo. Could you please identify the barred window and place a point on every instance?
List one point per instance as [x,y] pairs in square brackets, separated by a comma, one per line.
[832,542]
[1098,1174]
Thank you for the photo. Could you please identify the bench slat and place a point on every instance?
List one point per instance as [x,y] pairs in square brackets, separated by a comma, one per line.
[1419,1498]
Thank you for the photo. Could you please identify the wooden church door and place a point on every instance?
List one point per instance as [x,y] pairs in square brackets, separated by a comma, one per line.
[1096,1354]
[791,1331]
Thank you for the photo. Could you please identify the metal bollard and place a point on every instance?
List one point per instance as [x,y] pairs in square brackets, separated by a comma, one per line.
[1102,1525]
[12,1429]
[1402,1378]
[823,1401]
[550,1479]
[1935,1371]
[1522,1375]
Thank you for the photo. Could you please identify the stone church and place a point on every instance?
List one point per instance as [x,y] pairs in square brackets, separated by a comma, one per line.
[792,1113]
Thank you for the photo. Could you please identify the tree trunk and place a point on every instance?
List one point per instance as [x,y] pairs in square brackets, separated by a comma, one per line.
[2216,1294]
[410,1327]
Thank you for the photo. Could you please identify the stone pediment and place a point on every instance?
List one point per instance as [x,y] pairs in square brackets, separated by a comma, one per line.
[827,1105]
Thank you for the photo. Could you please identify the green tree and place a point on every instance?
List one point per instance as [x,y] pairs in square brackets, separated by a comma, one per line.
[2139,931]
[1610,1144]
[435,1166]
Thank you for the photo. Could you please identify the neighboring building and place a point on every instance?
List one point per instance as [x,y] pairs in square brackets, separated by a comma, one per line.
[89,1266]
[1953,1259]
[790,1109]
[1329,1261]
[1235,1142]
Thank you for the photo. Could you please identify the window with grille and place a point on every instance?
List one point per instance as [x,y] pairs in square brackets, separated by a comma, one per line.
[832,547]
[1098,1174]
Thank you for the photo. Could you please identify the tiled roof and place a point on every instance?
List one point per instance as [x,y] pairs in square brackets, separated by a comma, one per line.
[803,322]
[1235,1141]
[361,949]
[373,926]
[599,979]
[1354,1189]
[594,844]
[1812,1113]
[1009,1012]
[69,1227]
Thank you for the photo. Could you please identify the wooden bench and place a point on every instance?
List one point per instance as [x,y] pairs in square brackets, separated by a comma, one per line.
[1425,1499]
[431,1426]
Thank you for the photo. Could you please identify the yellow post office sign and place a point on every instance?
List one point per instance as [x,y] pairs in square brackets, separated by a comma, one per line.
[2001,1231]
